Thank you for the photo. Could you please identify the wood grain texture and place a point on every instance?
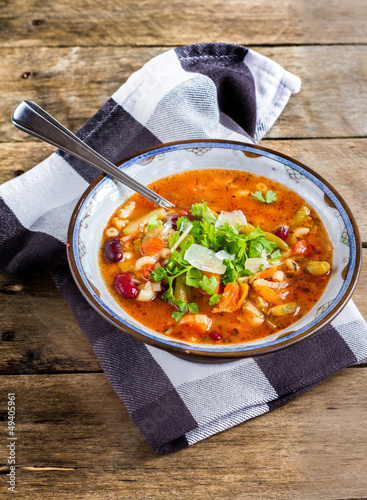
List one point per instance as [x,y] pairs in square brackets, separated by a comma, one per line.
[76,440]
[72,83]
[339,161]
[147,22]
[38,333]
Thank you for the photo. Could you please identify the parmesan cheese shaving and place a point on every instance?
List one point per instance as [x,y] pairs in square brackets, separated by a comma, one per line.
[182,237]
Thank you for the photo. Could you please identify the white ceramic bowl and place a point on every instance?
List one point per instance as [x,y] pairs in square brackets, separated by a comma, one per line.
[104,195]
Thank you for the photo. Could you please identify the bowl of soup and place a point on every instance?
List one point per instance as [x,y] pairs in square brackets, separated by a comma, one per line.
[258,253]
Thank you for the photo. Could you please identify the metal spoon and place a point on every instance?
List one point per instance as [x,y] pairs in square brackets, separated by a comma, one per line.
[32,119]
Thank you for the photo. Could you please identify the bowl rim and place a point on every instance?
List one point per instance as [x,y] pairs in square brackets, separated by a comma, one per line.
[186,349]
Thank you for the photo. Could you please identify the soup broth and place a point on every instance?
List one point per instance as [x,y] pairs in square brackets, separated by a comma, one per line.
[239,258]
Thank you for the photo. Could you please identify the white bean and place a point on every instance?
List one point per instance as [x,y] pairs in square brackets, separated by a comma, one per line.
[146,293]
[292,265]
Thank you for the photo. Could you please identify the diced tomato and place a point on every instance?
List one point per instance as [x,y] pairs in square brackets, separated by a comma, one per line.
[229,299]
[302,247]
[146,270]
[217,277]
[267,273]
[271,296]
[182,213]
[152,246]
[127,238]
[198,322]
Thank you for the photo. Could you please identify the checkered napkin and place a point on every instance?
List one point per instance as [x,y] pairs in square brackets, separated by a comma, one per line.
[201,91]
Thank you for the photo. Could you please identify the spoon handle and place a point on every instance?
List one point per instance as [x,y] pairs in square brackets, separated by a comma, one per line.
[32,119]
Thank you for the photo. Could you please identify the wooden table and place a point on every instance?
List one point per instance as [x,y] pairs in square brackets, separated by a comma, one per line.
[75,438]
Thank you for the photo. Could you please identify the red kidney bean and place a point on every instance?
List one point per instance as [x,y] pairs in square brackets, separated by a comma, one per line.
[112,250]
[125,286]
[282,232]
[215,335]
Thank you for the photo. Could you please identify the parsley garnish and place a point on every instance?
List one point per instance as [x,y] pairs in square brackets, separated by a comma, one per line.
[239,246]
[193,308]
[214,299]
[201,210]
[184,307]
[276,255]
[270,196]
[158,274]
[182,224]
[209,284]
[193,277]
[153,222]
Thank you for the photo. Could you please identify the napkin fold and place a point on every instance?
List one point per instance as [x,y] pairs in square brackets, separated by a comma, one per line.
[219,91]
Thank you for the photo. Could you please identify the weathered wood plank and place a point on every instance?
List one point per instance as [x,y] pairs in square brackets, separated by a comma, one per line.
[149,22]
[76,440]
[38,333]
[340,161]
[72,83]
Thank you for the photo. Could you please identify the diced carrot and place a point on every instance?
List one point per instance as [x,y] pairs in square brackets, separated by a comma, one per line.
[126,239]
[267,273]
[217,277]
[244,289]
[229,299]
[198,322]
[302,247]
[270,296]
[152,246]
[146,270]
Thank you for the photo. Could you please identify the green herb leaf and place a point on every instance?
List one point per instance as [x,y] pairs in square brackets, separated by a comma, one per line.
[209,284]
[258,196]
[214,299]
[153,222]
[230,275]
[201,210]
[276,255]
[183,306]
[245,272]
[177,315]
[193,308]
[158,274]
[270,196]
[182,224]
[173,238]
[193,277]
